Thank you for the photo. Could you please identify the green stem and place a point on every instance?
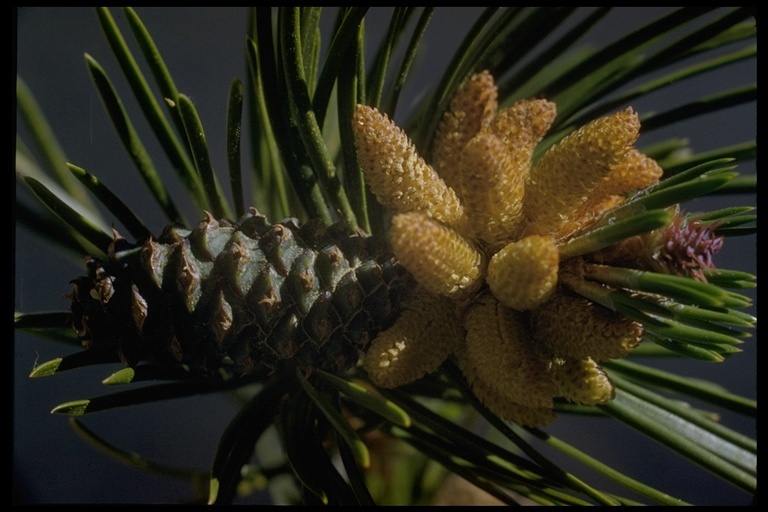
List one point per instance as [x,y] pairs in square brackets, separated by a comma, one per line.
[301,107]
[234,135]
[696,388]
[199,148]
[152,111]
[668,430]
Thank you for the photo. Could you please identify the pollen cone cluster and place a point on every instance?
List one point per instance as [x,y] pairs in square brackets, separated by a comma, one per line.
[480,230]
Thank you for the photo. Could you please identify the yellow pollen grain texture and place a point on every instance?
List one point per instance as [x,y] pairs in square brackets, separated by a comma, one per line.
[586,216]
[493,181]
[425,334]
[582,382]
[564,177]
[574,327]
[523,125]
[438,257]
[523,274]
[502,406]
[498,355]
[634,172]
[396,174]
[472,107]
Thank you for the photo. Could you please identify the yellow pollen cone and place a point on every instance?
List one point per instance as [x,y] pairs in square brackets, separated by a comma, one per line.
[636,171]
[473,106]
[502,406]
[438,257]
[574,327]
[564,177]
[523,125]
[498,355]
[397,175]
[424,335]
[523,274]
[582,381]
[493,181]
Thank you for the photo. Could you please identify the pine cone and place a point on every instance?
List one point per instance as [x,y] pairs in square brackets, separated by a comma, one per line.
[252,294]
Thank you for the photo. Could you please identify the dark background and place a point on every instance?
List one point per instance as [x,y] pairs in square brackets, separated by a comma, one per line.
[204,49]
